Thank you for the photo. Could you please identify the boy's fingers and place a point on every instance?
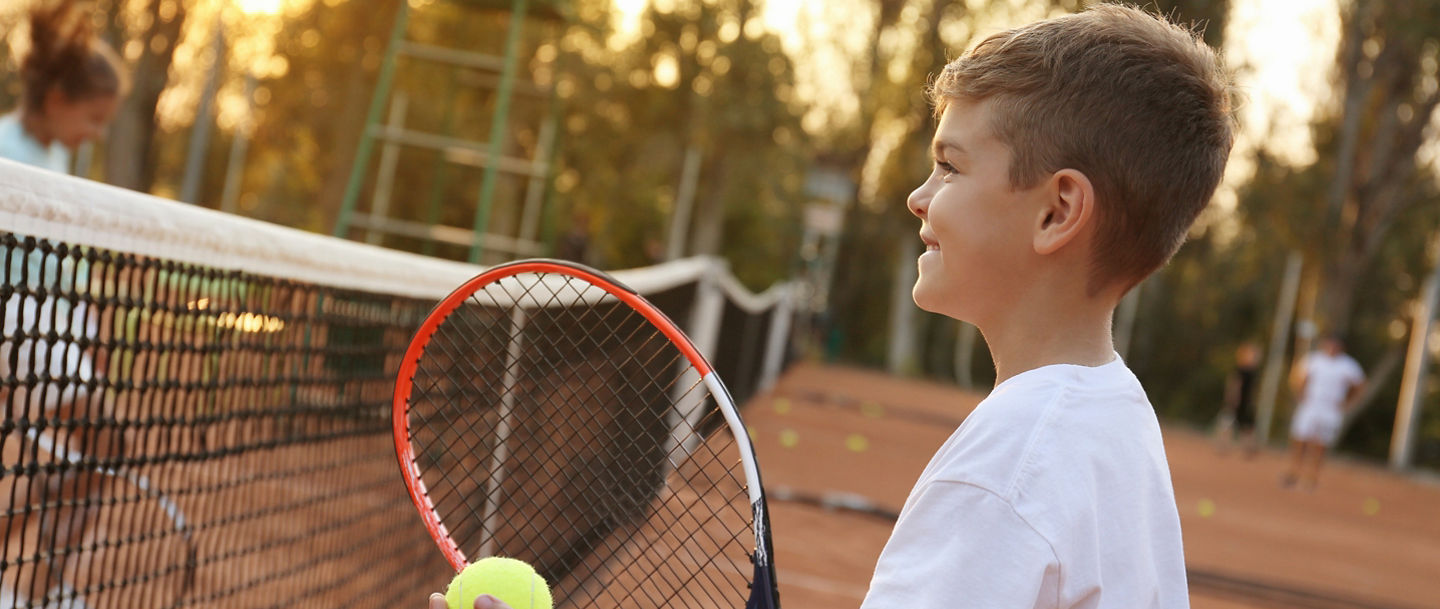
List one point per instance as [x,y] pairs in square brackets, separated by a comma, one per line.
[485,601]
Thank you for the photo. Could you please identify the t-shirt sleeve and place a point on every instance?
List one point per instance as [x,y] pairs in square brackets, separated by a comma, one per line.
[1357,374]
[959,546]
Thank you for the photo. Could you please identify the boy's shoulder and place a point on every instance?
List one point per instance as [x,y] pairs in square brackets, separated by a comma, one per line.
[1042,422]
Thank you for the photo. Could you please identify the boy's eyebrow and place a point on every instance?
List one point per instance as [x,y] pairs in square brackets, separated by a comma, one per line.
[939,145]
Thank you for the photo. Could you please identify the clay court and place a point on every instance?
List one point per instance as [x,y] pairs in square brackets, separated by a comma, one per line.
[1365,539]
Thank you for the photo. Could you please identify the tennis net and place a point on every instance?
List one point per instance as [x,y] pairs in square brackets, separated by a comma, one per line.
[197,405]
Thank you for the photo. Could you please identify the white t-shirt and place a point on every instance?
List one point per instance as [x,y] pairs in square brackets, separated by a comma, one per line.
[17,145]
[1327,380]
[1055,492]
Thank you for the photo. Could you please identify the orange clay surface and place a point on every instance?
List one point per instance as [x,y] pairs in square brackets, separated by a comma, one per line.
[1365,539]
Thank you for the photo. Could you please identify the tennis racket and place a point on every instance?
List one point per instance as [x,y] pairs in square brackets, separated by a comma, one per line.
[546,412]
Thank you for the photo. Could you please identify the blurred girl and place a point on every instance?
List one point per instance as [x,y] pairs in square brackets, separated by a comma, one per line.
[72,87]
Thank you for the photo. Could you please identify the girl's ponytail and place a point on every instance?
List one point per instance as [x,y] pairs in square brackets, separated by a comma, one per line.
[65,53]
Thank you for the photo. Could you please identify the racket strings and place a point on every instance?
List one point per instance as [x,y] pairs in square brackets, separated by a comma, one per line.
[471,335]
[683,554]
[625,502]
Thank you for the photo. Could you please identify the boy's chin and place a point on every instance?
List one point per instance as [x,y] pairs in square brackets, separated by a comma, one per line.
[929,301]
[940,303]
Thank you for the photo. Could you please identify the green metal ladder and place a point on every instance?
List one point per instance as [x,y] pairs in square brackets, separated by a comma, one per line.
[455,151]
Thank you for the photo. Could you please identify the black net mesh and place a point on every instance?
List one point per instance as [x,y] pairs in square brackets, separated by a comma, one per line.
[738,357]
[179,435]
[557,425]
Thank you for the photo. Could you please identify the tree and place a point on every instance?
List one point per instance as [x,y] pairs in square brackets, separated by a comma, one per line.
[1386,69]
[701,75]
[1357,213]
[148,35]
[311,112]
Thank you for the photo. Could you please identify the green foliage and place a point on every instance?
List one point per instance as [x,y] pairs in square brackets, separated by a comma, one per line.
[729,95]
[624,126]
[1194,314]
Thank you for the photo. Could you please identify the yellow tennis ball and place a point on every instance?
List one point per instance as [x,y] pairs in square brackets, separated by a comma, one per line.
[1371,506]
[789,438]
[782,406]
[1206,508]
[510,580]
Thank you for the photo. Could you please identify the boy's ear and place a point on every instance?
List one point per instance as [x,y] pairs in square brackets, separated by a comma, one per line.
[1069,208]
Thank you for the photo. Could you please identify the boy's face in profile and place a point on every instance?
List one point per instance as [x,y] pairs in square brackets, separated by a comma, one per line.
[976,227]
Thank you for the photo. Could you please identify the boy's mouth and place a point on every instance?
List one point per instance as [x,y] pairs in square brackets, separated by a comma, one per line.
[931,245]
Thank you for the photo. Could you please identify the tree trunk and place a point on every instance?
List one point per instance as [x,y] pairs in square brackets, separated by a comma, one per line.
[710,213]
[130,154]
[348,122]
[1377,379]
[1355,89]
[1337,297]
[1371,185]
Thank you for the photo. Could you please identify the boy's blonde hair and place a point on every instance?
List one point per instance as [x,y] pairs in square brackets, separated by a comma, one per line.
[1136,103]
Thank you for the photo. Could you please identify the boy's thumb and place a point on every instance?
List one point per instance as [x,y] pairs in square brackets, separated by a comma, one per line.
[485,601]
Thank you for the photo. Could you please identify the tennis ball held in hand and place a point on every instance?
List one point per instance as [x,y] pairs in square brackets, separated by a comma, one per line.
[510,580]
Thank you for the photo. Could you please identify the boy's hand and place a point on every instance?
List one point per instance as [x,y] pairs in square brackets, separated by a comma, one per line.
[485,601]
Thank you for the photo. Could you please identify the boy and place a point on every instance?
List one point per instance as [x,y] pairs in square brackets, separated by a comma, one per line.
[1071,157]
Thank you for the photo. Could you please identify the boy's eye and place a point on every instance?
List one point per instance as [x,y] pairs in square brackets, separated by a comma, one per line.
[944,167]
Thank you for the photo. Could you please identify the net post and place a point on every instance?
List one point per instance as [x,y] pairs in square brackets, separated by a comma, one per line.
[502,432]
[777,338]
[703,327]
[709,308]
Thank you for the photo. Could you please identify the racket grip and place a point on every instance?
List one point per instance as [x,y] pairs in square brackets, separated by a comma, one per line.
[763,594]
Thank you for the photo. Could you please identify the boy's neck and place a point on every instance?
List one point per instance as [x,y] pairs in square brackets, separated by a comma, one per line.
[1042,334]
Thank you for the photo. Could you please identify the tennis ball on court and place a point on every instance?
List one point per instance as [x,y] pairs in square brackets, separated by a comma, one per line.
[856,443]
[782,406]
[1371,506]
[510,580]
[1206,508]
[789,438]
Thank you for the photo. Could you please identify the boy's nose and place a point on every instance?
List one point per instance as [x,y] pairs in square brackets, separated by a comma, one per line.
[918,202]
